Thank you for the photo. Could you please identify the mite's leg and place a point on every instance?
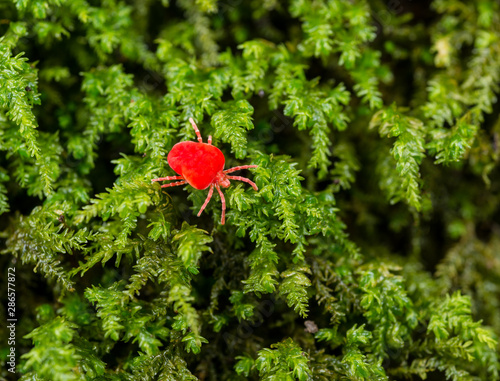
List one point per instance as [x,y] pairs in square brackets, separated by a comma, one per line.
[223,200]
[210,139]
[234,169]
[207,199]
[174,184]
[200,140]
[239,178]
[168,178]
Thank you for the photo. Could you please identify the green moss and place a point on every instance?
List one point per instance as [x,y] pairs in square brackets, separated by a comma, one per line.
[369,252]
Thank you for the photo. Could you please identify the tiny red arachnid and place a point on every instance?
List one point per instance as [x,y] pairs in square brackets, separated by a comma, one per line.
[201,165]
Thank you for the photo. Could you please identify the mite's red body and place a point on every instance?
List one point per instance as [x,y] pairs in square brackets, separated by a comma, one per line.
[201,165]
[198,163]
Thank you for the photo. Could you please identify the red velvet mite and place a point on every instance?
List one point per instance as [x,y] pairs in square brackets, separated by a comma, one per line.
[201,165]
